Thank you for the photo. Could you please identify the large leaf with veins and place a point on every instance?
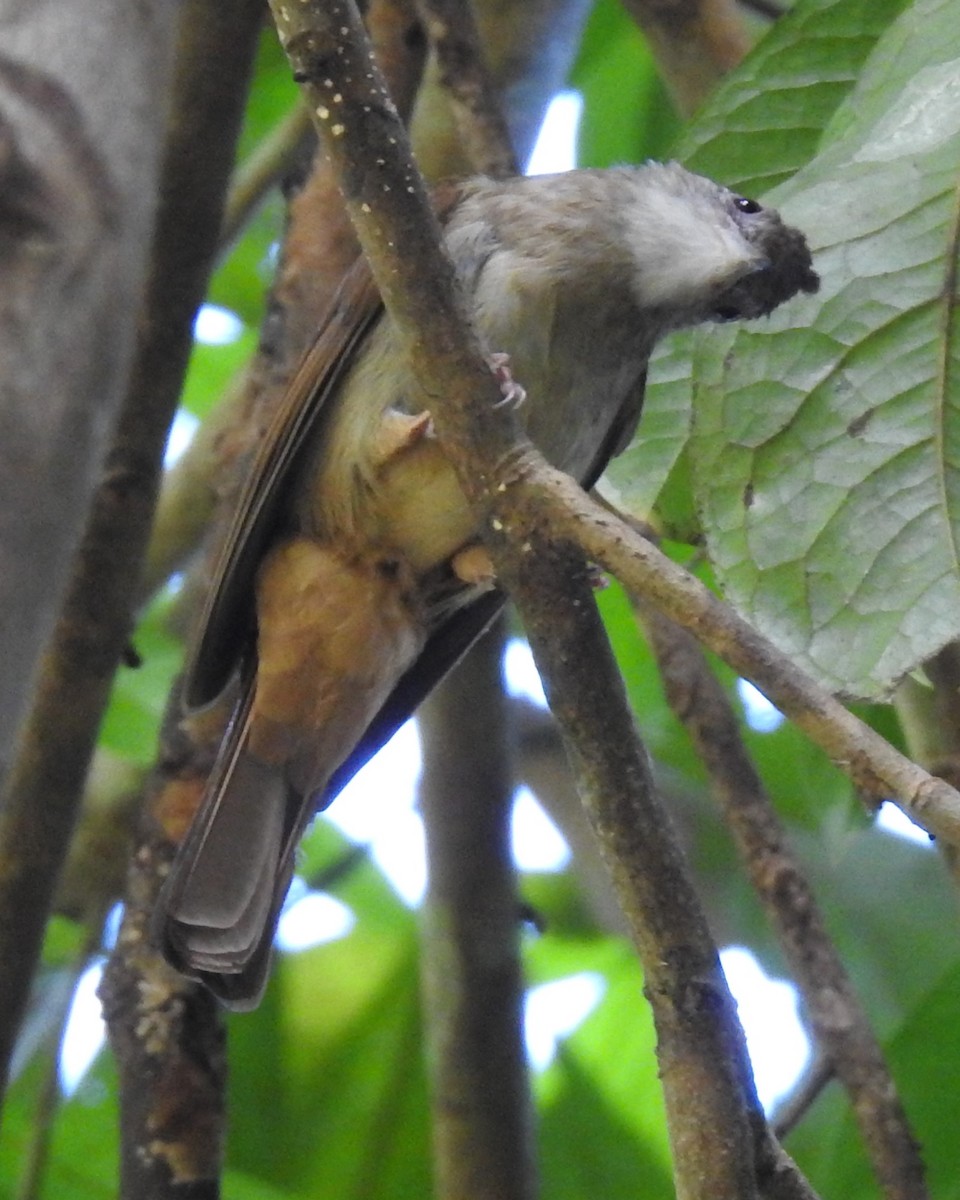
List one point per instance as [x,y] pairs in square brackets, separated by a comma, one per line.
[826,447]
[762,124]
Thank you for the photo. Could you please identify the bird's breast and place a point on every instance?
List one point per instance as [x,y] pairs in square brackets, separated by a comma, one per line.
[380,477]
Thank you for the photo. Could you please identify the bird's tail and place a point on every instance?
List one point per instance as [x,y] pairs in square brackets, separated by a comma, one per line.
[218,909]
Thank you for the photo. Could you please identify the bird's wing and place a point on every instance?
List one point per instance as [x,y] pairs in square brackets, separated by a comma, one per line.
[621,432]
[227,622]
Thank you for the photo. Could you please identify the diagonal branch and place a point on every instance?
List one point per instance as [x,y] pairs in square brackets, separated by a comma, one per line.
[876,767]
[472,977]
[710,1100]
[501,472]
[839,1021]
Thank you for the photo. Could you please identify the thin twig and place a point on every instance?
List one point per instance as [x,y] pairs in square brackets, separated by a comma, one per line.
[876,768]
[266,167]
[789,1115]
[930,719]
[839,1021]
[530,49]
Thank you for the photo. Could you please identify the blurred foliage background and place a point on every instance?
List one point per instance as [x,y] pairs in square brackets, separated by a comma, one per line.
[327,1087]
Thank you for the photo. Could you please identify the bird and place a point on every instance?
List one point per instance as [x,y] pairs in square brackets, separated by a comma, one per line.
[351,577]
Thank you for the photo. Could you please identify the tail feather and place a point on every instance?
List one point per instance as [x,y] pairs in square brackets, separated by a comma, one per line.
[217,911]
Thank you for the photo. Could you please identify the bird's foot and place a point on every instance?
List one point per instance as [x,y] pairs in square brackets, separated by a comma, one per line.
[513,393]
[473,565]
[398,432]
[598,579]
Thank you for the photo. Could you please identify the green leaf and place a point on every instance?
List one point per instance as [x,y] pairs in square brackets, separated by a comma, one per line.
[627,115]
[633,481]
[336,1050]
[826,445]
[924,1058]
[83,1155]
[761,125]
[766,120]
[612,1099]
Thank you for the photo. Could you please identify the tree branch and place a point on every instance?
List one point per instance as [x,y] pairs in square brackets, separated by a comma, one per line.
[83,98]
[166,1032]
[45,783]
[704,1067]
[473,993]
[695,43]
[455,40]
[808,1090]
[875,767]
[529,47]
[930,719]
[839,1021]
[267,166]
[709,1094]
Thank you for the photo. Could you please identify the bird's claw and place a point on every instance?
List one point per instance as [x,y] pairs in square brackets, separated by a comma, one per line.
[513,393]
[598,579]
[473,565]
[400,431]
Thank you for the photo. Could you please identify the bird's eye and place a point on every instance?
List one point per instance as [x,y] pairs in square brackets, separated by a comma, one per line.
[747,206]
